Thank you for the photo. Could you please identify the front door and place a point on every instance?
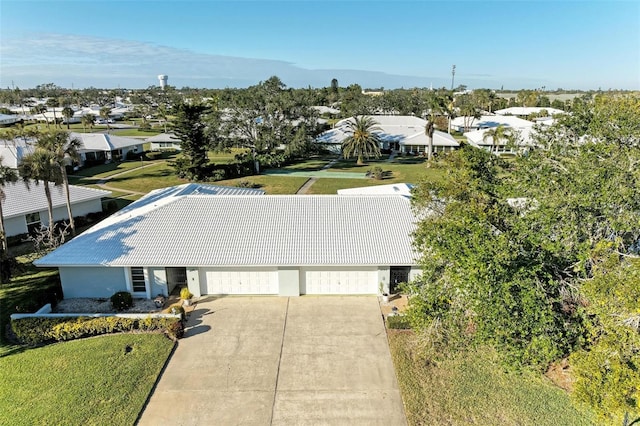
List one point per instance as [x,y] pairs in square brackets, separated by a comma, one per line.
[397,275]
[176,277]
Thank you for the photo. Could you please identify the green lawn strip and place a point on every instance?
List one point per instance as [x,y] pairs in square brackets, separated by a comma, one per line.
[331,186]
[89,381]
[105,170]
[146,179]
[22,292]
[403,169]
[273,185]
[472,388]
[136,132]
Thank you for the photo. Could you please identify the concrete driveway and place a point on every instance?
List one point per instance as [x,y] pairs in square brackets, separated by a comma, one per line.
[280,361]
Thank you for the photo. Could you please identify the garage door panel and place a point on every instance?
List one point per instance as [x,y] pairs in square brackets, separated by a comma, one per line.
[338,281]
[249,281]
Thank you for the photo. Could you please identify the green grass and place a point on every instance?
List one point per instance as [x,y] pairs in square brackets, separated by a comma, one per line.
[89,381]
[22,292]
[473,389]
[146,179]
[136,132]
[402,169]
[331,186]
[105,170]
[273,185]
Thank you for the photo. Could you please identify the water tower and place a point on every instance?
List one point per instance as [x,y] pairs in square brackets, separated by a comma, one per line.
[163,80]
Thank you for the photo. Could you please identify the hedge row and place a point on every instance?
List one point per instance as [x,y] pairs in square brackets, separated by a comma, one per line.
[35,331]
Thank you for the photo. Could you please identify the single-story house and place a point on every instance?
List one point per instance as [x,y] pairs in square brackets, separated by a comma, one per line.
[523,139]
[242,244]
[467,124]
[103,148]
[403,133]
[13,151]
[403,189]
[25,207]
[8,119]
[164,141]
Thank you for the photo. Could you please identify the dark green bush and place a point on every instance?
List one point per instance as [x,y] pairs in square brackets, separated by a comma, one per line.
[34,331]
[153,155]
[177,310]
[121,300]
[398,322]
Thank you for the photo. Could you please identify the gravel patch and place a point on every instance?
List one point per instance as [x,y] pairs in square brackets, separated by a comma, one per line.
[102,306]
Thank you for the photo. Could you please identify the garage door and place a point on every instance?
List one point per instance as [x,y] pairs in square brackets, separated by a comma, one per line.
[240,281]
[338,281]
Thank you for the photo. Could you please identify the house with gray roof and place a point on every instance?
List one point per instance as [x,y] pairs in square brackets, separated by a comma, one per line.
[103,148]
[164,141]
[239,241]
[405,134]
[25,207]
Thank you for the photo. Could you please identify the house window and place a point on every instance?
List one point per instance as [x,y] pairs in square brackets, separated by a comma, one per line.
[137,280]
[33,218]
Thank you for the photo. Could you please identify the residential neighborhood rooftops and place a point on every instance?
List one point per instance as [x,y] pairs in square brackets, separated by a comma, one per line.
[21,199]
[104,142]
[487,121]
[247,230]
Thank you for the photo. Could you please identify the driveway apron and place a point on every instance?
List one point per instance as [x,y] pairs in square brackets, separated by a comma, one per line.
[280,361]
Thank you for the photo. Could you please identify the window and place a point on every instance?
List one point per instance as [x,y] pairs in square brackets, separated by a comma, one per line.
[33,218]
[137,280]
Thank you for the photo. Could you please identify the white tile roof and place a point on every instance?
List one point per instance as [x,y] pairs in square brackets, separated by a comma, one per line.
[163,137]
[21,200]
[492,121]
[523,137]
[403,189]
[246,230]
[104,142]
[405,129]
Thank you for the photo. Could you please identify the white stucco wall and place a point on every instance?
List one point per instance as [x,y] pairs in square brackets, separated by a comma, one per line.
[92,281]
[289,281]
[158,282]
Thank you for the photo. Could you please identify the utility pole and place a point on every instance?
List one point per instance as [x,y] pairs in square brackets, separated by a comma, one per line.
[453,75]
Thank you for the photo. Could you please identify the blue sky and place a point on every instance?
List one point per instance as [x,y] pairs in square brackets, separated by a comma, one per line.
[511,44]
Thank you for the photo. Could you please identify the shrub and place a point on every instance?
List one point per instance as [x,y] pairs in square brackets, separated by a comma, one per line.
[217,175]
[185,293]
[121,301]
[398,322]
[246,184]
[35,331]
[377,173]
[153,155]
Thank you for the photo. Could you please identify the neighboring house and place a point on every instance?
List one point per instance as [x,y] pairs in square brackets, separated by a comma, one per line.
[8,119]
[403,189]
[104,148]
[487,122]
[527,111]
[25,208]
[405,134]
[13,151]
[214,243]
[523,139]
[164,141]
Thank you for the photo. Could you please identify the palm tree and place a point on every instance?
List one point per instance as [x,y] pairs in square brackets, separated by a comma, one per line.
[62,147]
[53,103]
[40,109]
[499,134]
[40,166]
[87,120]
[67,113]
[104,113]
[362,140]
[428,130]
[7,175]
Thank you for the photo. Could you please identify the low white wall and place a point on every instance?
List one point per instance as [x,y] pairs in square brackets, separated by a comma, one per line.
[45,312]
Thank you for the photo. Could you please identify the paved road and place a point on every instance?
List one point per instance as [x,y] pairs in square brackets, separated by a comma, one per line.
[280,361]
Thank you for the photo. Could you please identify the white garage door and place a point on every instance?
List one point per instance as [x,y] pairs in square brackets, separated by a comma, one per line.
[241,281]
[338,281]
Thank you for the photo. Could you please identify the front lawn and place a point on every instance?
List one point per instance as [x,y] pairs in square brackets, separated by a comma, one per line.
[99,381]
[272,185]
[24,293]
[146,179]
[472,388]
[402,169]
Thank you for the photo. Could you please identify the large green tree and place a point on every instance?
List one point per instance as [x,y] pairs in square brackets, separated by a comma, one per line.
[190,127]
[363,140]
